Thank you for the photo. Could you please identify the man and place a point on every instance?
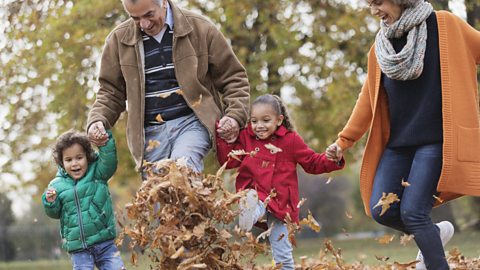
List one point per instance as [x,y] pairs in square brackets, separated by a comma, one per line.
[176,75]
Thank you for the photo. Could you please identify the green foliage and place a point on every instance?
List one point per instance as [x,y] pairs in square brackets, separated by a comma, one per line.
[312,52]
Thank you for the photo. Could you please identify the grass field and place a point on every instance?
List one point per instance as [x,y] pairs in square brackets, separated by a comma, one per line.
[352,250]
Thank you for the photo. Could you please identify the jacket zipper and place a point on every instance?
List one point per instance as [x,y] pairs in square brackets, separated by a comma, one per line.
[140,55]
[79,213]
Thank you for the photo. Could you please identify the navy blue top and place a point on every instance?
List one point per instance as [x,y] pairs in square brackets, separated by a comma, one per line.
[416,105]
[161,85]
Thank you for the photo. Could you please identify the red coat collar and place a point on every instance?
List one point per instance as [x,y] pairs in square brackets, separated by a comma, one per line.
[280,132]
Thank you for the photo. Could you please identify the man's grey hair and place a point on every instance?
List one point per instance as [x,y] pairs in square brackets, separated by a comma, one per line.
[406,3]
[157,2]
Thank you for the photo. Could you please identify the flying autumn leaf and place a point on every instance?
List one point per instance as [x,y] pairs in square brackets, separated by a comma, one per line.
[385,201]
[385,239]
[301,202]
[382,258]
[404,266]
[292,228]
[406,238]
[159,118]
[273,149]
[405,183]
[273,194]
[329,180]
[179,91]
[438,199]
[266,233]
[310,222]
[165,95]
[196,103]
[152,144]
[236,153]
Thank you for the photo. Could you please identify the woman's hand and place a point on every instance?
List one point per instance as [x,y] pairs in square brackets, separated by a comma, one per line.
[51,194]
[334,152]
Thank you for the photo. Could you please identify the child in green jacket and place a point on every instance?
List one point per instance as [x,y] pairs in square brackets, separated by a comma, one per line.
[80,198]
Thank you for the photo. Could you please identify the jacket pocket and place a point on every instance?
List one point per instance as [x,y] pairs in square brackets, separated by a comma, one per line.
[468,144]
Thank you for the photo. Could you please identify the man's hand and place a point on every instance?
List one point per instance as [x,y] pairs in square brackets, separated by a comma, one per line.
[51,195]
[334,152]
[228,129]
[97,134]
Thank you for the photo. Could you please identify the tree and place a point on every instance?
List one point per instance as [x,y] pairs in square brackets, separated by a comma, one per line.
[7,250]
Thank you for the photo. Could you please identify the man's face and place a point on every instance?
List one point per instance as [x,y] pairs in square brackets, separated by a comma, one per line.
[147,14]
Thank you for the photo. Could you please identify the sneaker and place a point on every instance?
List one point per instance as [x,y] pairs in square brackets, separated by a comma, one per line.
[446,233]
[247,207]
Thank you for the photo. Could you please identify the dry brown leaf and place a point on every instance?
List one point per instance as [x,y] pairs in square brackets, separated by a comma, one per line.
[438,199]
[382,258]
[273,149]
[385,239]
[311,222]
[179,91]
[301,202]
[405,183]
[178,253]
[385,201]
[197,102]
[152,144]
[159,118]
[406,238]
[348,215]
[165,95]
[266,233]
[329,180]
[404,266]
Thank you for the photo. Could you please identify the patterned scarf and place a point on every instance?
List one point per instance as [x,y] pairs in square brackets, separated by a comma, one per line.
[408,63]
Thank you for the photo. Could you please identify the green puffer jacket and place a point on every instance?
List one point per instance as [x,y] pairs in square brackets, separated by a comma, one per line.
[84,207]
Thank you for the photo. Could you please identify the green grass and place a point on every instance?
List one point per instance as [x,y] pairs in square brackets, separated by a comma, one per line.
[352,250]
[364,250]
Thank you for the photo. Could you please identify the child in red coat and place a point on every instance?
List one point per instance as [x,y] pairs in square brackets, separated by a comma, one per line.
[272,151]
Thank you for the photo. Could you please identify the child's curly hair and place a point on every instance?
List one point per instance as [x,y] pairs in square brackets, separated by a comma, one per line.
[279,107]
[68,139]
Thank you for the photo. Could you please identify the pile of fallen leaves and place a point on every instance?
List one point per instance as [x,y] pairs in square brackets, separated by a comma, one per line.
[183,220]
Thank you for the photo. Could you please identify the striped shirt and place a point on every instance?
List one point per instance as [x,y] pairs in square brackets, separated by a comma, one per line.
[163,96]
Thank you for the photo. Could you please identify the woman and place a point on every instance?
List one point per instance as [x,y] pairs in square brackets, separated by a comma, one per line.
[420,105]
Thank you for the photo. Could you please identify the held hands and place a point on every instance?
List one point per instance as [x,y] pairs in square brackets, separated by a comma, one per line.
[97,134]
[51,195]
[228,129]
[334,152]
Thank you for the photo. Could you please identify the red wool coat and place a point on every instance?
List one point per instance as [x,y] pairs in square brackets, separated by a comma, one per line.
[266,170]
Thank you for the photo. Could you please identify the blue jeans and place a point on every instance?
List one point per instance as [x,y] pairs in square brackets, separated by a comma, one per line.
[421,167]
[104,255]
[282,250]
[185,137]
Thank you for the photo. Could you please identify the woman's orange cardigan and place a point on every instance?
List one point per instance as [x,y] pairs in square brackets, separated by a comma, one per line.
[459,45]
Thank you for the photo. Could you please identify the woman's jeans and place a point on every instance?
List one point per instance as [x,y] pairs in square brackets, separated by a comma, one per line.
[104,255]
[420,166]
